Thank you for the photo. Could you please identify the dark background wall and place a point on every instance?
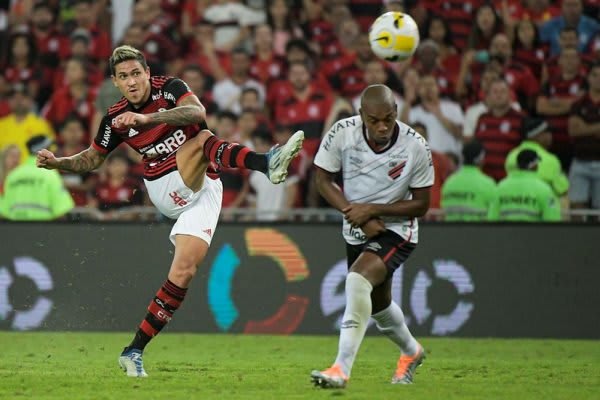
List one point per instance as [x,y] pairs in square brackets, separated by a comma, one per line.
[463,280]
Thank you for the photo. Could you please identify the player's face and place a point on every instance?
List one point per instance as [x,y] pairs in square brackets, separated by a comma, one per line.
[133,81]
[380,121]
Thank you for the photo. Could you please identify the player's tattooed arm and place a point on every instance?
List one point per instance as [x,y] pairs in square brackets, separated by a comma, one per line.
[188,111]
[87,160]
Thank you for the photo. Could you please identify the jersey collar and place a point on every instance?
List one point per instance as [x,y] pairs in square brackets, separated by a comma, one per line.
[389,145]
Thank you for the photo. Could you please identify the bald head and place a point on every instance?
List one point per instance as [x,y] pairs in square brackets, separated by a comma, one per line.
[377,96]
[378,113]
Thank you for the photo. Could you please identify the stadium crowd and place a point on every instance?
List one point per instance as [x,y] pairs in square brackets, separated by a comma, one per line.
[496,73]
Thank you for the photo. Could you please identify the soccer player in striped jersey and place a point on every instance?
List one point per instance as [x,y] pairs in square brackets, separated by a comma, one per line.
[162,119]
[387,171]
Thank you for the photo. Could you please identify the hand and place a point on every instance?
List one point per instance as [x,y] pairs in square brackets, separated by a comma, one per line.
[46,159]
[130,119]
[373,227]
[358,214]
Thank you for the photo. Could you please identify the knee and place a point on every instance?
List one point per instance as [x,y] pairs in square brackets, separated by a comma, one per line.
[200,140]
[184,269]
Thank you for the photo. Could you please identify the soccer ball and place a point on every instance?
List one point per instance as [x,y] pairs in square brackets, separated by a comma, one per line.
[394,36]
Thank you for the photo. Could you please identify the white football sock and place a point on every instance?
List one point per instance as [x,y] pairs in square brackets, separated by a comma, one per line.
[355,321]
[391,323]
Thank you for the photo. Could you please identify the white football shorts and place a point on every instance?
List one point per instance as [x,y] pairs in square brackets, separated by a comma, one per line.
[196,213]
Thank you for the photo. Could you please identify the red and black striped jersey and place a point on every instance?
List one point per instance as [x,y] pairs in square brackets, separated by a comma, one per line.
[460,16]
[498,135]
[587,147]
[157,143]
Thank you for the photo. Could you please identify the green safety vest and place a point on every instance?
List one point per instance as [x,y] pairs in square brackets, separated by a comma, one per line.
[467,195]
[549,169]
[34,194]
[523,196]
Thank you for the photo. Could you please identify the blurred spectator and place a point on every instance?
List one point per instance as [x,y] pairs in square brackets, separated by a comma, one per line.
[250,100]
[376,73]
[227,92]
[77,96]
[5,93]
[193,11]
[499,129]
[22,123]
[20,65]
[10,158]
[366,12]
[79,42]
[436,29]
[556,100]
[571,15]
[346,31]
[232,21]
[116,191]
[106,95]
[442,118]
[468,193]
[538,138]
[271,200]
[429,62]
[490,74]
[71,135]
[32,193]
[460,15]
[567,40]
[215,63]
[537,11]
[487,25]
[157,34]
[86,18]
[235,180]
[265,64]
[192,75]
[523,196]
[346,73]
[442,168]
[307,107]
[584,128]
[284,25]
[527,48]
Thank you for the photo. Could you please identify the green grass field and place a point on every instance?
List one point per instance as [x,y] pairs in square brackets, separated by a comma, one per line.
[84,366]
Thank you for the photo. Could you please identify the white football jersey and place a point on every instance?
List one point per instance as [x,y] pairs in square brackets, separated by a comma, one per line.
[381,177]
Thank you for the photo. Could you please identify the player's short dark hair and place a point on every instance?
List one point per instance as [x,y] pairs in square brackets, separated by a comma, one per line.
[126,53]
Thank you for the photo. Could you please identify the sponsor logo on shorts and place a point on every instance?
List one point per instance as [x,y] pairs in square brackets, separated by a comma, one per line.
[177,199]
[373,246]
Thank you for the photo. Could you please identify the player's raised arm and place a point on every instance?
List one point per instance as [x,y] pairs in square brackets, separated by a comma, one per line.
[85,161]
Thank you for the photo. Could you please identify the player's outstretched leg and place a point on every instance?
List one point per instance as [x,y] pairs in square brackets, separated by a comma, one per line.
[274,164]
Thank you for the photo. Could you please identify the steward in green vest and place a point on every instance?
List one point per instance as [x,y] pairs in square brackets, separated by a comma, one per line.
[32,193]
[523,196]
[468,193]
[539,138]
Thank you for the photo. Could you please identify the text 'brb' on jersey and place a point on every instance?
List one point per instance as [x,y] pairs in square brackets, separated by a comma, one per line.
[157,143]
[381,177]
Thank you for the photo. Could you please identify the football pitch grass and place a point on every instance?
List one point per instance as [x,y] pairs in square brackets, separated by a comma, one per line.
[193,366]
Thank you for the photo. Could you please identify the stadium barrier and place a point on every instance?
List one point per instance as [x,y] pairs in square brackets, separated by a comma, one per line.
[463,280]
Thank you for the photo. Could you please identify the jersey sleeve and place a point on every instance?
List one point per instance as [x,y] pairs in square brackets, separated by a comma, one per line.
[175,90]
[423,174]
[106,140]
[329,156]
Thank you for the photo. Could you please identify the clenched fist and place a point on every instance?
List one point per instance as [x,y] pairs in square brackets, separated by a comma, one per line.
[46,159]
[130,119]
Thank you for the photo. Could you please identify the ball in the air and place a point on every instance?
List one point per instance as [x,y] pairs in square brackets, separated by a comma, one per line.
[394,36]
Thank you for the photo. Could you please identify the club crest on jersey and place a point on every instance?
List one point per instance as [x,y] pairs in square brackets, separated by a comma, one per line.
[396,171]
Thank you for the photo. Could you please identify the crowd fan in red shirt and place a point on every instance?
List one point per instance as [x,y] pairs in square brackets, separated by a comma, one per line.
[298,64]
